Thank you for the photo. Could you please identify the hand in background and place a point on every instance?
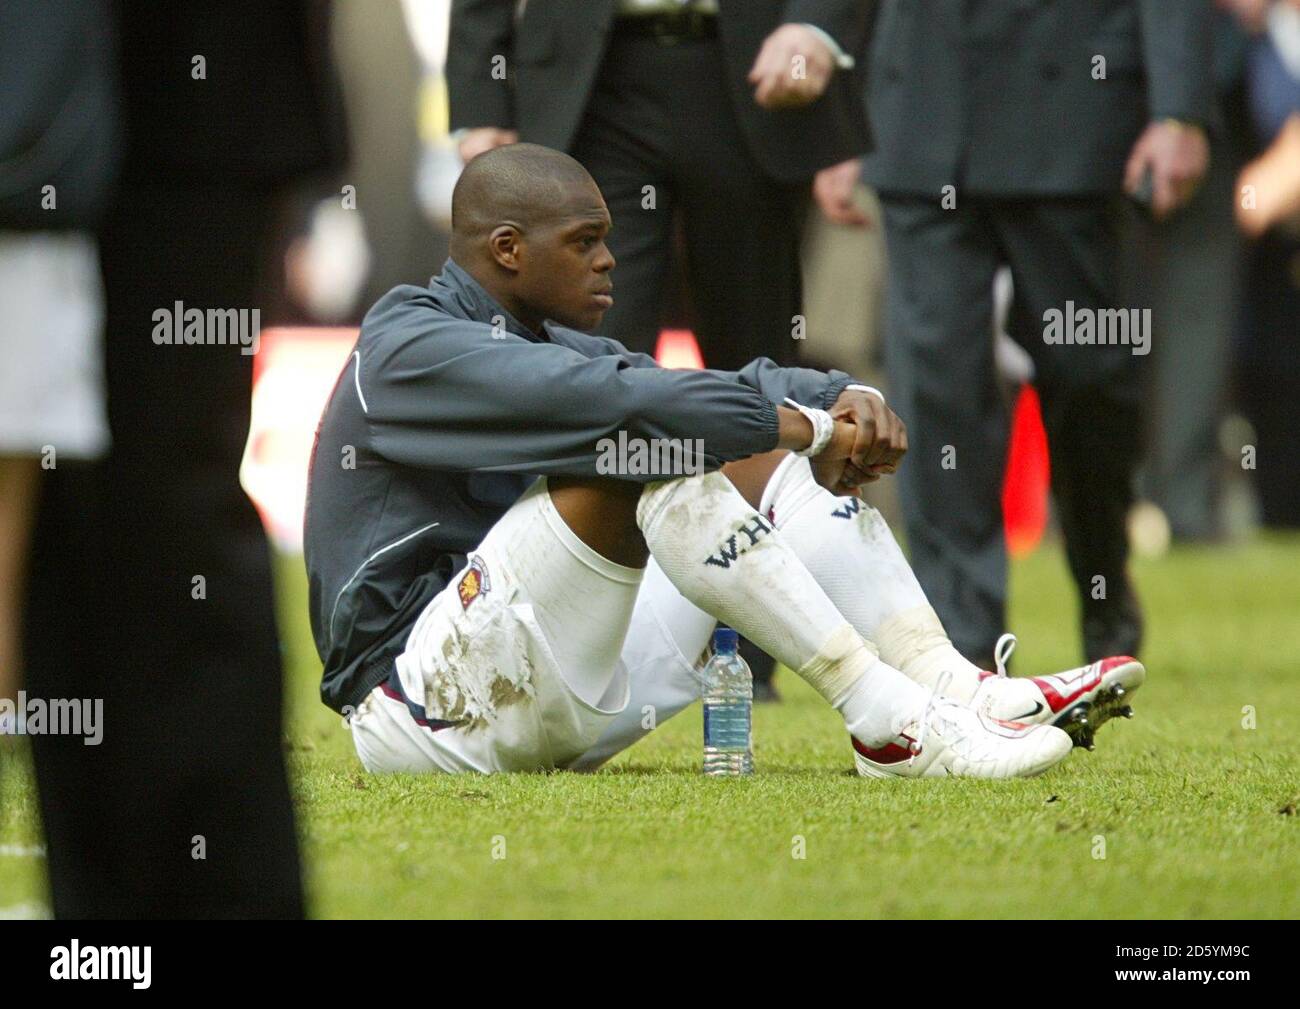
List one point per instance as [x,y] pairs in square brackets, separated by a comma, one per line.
[833,190]
[792,68]
[1177,156]
[484,138]
[1273,182]
[1252,15]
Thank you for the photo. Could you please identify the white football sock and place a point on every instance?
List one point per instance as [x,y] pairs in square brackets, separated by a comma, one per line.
[920,647]
[852,553]
[727,559]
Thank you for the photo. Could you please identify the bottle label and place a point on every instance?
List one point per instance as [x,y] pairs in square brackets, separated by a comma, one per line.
[727,725]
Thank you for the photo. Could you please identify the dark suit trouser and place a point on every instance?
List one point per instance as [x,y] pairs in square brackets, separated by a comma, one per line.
[1188,269]
[192,690]
[1268,378]
[943,385]
[661,116]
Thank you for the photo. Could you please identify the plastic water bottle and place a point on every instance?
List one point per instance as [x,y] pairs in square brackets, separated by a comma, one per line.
[728,704]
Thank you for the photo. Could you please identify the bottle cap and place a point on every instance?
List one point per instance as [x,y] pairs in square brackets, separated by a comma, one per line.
[725,641]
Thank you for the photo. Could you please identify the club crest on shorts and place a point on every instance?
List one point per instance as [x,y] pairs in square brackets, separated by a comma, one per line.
[473,583]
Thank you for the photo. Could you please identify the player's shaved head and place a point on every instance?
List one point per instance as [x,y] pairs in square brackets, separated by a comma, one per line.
[526,185]
[529,224]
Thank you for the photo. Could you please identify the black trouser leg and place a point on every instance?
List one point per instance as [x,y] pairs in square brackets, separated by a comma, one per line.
[1066,251]
[624,142]
[153,591]
[943,385]
[661,139]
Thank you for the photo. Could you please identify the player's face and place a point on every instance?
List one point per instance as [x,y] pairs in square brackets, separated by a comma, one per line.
[567,277]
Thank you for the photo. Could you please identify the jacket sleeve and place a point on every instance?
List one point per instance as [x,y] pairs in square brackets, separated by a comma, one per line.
[1177,53]
[449,396]
[803,385]
[480,30]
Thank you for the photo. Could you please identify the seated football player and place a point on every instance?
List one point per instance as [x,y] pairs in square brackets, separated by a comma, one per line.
[491,590]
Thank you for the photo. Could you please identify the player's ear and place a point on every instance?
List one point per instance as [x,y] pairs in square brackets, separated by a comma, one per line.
[504,244]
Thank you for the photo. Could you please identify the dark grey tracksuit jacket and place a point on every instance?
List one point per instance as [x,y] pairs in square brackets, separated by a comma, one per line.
[439,422]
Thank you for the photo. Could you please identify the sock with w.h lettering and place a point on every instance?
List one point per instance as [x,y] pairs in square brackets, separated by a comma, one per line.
[849,548]
[729,561]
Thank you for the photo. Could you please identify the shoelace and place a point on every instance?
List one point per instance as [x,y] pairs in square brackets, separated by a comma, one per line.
[1002,652]
[919,742]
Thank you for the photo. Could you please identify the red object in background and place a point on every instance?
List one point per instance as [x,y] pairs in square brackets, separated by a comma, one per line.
[1027,480]
[677,349]
[293,374]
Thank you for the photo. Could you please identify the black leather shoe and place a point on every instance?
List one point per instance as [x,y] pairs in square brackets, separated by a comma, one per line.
[763,666]
[1112,626]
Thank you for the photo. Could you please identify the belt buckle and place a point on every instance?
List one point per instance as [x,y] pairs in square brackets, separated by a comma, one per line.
[671,29]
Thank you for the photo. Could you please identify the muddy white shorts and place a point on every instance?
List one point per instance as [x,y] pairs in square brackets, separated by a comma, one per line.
[539,655]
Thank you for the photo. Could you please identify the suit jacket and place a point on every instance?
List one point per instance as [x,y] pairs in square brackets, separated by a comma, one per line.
[555,50]
[998,97]
[269,109]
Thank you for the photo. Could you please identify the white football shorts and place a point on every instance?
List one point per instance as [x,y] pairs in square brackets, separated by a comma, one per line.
[539,655]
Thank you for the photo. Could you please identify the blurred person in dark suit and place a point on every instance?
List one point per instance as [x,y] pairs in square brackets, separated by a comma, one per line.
[724,109]
[703,123]
[1006,133]
[1268,212]
[1187,267]
[184,808]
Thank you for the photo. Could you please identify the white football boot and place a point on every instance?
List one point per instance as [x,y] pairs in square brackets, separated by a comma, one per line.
[1078,701]
[952,740]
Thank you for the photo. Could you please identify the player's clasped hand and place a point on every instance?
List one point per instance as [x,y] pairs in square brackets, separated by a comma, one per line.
[832,467]
[880,436]
[869,441]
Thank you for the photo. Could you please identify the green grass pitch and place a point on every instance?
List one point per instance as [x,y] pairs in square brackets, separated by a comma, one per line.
[1196,814]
